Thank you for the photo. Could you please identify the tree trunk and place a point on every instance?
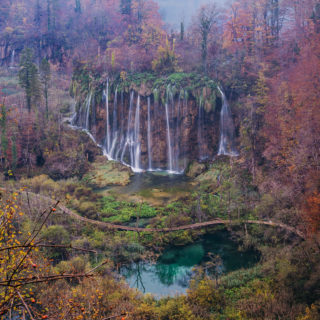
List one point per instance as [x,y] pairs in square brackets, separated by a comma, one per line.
[46,97]
[204,51]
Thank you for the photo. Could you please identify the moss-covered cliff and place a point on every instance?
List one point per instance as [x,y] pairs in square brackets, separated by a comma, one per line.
[168,120]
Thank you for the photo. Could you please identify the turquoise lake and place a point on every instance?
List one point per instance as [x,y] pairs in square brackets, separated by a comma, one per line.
[171,274]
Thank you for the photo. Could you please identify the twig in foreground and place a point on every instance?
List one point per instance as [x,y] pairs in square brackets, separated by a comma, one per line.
[25,305]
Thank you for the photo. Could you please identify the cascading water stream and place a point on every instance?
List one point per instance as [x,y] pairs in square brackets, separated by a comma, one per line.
[87,108]
[227,144]
[84,114]
[128,141]
[137,143]
[107,141]
[165,137]
[73,116]
[122,136]
[114,125]
[12,59]
[81,120]
[184,115]
[169,145]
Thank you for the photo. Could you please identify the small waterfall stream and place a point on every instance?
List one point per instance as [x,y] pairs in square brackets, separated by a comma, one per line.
[184,115]
[81,120]
[114,125]
[156,132]
[12,61]
[87,107]
[137,143]
[107,144]
[227,141]
[149,136]
[121,138]
[169,145]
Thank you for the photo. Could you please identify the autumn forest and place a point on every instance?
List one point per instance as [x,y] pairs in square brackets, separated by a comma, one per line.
[160,160]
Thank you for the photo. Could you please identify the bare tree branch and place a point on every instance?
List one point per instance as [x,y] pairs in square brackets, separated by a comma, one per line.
[26,281]
[97,267]
[39,245]
[112,317]
[25,305]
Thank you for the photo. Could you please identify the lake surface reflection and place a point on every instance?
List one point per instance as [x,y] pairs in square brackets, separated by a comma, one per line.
[171,274]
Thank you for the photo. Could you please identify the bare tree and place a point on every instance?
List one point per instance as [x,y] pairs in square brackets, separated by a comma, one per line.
[207,17]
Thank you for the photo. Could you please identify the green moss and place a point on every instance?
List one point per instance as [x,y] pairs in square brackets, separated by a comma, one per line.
[186,85]
[241,277]
[195,169]
[124,212]
[105,173]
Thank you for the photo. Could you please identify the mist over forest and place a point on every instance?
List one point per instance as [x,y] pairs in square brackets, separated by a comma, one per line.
[173,12]
[159,159]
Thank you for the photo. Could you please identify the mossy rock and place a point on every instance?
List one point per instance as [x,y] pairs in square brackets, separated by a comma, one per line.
[195,169]
[106,173]
[192,84]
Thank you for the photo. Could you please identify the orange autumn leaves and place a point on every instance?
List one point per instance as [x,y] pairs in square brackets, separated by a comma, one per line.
[312,209]
[293,128]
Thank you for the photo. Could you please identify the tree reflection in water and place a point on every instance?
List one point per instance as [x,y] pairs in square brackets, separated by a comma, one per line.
[170,275]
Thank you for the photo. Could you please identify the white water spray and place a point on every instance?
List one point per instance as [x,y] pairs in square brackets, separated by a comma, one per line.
[87,108]
[12,62]
[169,145]
[114,125]
[106,94]
[226,146]
[137,143]
[149,136]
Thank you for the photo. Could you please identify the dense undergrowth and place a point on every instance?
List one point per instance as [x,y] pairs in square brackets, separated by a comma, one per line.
[255,293]
[224,190]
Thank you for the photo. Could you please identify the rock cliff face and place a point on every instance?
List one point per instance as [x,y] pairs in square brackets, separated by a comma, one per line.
[150,123]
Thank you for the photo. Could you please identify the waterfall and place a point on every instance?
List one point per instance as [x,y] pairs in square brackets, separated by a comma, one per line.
[149,137]
[177,136]
[169,145]
[155,132]
[121,137]
[83,120]
[87,108]
[12,58]
[226,146]
[169,140]
[73,117]
[114,124]
[106,94]
[184,115]
[128,140]
[137,144]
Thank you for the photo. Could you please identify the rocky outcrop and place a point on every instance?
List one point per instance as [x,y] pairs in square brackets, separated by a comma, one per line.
[105,173]
[195,169]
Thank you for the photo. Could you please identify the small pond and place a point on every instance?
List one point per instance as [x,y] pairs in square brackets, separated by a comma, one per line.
[158,180]
[171,274]
[155,188]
